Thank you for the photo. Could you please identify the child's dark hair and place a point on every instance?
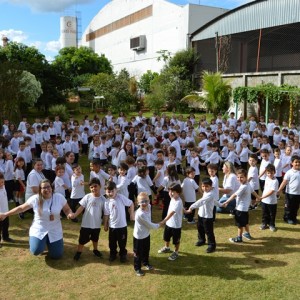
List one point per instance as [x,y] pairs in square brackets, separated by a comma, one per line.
[1,175]
[264,151]
[96,162]
[159,162]
[175,187]
[16,163]
[253,156]
[277,150]
[207,181]
[94,180]
[241,172]
[189,170]
[295,157]
[59,167]
[130,160]
[190,145]
[112,167]
[123,166]
[116,144]
[172,172]
[212,167]
[110,185]
[142,172]
[270,168]
[143,161]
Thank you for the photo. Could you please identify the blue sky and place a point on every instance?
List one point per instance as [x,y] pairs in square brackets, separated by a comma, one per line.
[36,22]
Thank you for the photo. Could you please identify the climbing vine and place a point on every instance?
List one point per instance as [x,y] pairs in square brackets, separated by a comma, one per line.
[275,94]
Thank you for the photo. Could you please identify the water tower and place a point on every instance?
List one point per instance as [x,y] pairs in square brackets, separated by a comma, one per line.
[68,31]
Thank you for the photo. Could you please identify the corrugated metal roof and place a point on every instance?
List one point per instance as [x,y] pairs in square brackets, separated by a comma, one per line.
[255,15]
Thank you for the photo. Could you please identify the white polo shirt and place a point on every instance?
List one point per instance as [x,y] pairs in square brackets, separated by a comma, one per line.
[293,185]
[41,225]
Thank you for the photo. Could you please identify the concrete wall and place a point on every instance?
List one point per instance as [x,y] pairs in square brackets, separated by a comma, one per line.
[253,79]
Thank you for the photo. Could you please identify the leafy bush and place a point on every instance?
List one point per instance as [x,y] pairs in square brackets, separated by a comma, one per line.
[59,110]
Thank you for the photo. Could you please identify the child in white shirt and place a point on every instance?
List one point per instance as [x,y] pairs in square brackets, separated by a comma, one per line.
[141,234]
[93,206]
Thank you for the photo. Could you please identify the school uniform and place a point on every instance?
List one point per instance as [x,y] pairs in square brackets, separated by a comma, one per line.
[189,188]
[115,209]
[141,237]
[205,223]
[292,195]
[269,204]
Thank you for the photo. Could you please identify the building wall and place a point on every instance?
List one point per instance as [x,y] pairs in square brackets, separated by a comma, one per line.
[167,29]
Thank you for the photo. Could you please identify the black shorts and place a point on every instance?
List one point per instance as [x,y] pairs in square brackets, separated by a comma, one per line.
[88,234]
[172,232]
[241,218]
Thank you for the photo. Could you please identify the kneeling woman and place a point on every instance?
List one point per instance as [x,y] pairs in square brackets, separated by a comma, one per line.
[46,228]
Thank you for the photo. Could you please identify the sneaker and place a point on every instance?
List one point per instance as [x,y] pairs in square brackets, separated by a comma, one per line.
[237,239]
[77,256]
[21,216]
[112,258]
[8,240]
[291,222]
[252,207]
[191,222]
[139,273]
[164,250]
[97,253]
[173,256]
[123,259]
[273,228]
[210,249]
[149,267]
[263,227]
[199,243]
[247,236]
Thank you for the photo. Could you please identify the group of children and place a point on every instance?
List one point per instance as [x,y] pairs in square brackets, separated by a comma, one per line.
[132,161]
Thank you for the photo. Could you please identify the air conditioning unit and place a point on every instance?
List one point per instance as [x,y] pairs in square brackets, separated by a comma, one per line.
[138,43]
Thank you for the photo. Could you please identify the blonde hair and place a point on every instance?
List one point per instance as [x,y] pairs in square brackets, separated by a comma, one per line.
[142,196]
[230,166]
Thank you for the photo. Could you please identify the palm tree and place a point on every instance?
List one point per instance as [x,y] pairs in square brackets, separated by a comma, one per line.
[218,92]
[215,95]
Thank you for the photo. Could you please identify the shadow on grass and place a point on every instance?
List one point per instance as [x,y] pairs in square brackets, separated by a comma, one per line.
[87,257]
[228,268]
[263,246]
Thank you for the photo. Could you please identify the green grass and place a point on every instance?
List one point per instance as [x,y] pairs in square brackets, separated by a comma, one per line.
[265,268]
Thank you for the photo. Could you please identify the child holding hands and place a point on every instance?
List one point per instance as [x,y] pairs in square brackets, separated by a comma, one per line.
[205,220]
[141,234]
[93,206]
[243,200]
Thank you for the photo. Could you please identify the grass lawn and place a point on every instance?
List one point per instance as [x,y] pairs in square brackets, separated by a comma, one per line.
[264,268]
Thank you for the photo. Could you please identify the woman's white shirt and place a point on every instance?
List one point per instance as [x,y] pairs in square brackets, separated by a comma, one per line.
[41,225]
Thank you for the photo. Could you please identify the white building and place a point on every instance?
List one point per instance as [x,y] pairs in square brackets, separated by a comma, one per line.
[131,32]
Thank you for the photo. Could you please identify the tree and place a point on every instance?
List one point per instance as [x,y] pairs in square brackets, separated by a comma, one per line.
[53,82]
[145,81]
[218,92]
[18,89]
[115,90]
[155,100]
[74,62]
[187,60]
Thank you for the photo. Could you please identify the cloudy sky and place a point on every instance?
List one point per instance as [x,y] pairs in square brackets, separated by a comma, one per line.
[36,22]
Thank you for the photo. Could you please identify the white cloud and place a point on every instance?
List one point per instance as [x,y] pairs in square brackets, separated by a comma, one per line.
[48,5]
[53,46]
[14,35]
